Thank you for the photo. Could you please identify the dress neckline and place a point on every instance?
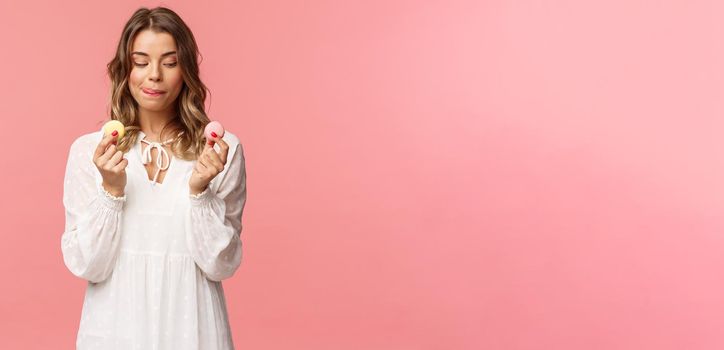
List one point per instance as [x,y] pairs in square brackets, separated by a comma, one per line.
[144,157]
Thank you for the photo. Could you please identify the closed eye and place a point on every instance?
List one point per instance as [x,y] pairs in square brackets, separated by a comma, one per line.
[170,65]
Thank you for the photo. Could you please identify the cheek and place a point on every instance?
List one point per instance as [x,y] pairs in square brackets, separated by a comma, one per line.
[135,78]
[175,84]
[176,81]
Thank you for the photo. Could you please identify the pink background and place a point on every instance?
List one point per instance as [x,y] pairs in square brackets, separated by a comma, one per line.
[421,174]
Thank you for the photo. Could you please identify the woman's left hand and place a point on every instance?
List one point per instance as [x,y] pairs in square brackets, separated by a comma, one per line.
[209,164]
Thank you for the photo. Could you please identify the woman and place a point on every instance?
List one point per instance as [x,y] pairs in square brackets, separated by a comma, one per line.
[153,225]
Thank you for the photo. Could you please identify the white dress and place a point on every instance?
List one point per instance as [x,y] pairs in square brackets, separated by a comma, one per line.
[154,259]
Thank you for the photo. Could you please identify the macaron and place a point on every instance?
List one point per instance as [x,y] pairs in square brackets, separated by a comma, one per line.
[114,125]
[216,128]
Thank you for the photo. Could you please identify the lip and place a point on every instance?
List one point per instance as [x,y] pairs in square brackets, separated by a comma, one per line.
[152,92]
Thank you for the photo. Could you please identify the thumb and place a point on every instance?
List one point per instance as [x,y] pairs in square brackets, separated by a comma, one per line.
[210,141]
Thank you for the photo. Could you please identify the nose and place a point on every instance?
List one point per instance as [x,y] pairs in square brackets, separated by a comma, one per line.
[155,74]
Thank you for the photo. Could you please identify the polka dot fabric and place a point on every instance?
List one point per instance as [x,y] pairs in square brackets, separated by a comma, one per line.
[156,257]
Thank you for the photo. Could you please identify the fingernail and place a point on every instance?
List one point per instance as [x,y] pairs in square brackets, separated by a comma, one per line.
[115,132]
[211,143]
[213,134]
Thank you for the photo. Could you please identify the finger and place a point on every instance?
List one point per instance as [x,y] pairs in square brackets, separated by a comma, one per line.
[202,160]
[107,154]
[215,160]
[121,165]
[101,148]
[200,168]
[204,172]
[211,168]
[115,159]
[224,150]
[209,144]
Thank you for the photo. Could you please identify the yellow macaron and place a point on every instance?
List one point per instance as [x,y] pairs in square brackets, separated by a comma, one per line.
[112,125]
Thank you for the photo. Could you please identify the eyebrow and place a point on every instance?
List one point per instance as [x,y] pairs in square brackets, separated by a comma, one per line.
[145,54]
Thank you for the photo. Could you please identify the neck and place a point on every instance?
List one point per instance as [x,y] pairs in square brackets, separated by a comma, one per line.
[152,122]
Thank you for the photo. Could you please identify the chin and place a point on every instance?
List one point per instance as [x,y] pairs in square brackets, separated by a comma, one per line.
[154,108]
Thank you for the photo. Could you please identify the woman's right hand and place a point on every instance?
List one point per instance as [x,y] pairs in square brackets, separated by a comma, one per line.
[111,164]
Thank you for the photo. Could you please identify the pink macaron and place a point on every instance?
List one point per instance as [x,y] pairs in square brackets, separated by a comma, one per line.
[214,127]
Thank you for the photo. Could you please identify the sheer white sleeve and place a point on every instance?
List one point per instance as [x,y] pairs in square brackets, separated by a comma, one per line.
[213,222]
[92,217]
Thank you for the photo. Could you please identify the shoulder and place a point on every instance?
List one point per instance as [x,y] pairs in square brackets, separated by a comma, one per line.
[231,139]
[234,143]
[86,142]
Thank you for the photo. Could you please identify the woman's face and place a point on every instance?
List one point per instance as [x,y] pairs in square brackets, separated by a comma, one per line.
[155,67]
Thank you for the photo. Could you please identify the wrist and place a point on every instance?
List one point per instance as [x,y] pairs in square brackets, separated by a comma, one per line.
[195,191]
[113,190]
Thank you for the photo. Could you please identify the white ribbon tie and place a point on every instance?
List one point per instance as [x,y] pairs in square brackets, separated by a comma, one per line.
[146,157]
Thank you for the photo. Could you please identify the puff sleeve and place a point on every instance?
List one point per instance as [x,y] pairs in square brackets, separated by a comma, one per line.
[92,217]
[213,221]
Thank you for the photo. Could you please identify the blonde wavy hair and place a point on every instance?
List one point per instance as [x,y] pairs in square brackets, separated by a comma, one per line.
[188,126]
